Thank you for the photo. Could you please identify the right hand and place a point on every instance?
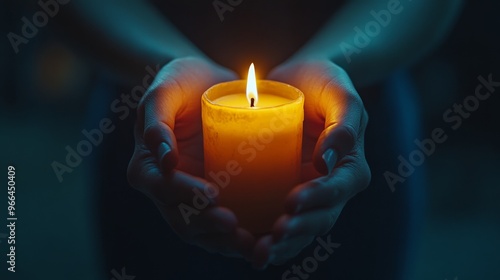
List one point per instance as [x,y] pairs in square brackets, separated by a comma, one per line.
[167,164]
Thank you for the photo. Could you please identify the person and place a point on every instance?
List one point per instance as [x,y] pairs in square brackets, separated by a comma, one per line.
[328,51]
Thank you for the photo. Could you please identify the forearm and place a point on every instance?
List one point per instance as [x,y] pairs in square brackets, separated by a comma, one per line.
[413,29]
[127,34]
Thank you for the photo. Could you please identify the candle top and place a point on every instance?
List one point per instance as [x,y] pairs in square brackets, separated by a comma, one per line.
[239,100]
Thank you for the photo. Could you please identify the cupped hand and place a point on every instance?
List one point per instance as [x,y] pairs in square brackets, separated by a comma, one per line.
[334,168]
[167,164]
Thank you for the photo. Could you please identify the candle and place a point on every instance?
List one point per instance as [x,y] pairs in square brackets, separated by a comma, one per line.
[253,146]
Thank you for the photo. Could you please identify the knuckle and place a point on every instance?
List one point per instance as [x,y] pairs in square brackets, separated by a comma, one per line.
[339,71]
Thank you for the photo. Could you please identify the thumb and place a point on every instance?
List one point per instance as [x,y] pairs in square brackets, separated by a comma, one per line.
[345,121]
[160,139]
[156,118]
[175,96]
[333,143]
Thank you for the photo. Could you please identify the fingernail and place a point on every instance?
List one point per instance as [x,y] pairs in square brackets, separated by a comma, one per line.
[163,150]
[330,158]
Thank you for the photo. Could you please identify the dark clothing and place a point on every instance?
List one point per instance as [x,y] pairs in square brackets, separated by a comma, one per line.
[259,31]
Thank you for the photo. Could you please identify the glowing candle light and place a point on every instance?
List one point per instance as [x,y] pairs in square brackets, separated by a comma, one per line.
[252,94]
[253,146]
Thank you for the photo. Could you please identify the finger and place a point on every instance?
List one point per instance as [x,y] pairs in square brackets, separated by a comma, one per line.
[238,243]
[144,175]
[329,191]
[261,252]
[141,169]
[344,114]
[161,140]
[208,221]
[307,224]
[175,90]
[285,250]
[330,98]
[179,187]
[323,192]
[168,189]
[157,112]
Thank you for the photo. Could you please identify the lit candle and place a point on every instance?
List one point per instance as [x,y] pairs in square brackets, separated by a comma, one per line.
[253,146]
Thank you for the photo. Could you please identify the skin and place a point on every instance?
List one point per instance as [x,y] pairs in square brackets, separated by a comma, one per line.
[329,181]
[167,175]
[167,163]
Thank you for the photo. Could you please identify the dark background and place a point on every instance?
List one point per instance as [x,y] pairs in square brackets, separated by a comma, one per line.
[47,97]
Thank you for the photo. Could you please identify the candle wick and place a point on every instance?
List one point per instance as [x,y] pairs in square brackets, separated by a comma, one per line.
[252,102]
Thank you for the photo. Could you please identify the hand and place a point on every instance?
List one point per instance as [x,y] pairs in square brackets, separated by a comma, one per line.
[167,164]
[334,168]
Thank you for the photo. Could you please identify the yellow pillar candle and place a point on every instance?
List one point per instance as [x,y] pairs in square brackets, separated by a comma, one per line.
[253,154]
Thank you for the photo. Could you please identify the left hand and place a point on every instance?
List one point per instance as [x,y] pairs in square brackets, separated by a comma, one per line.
[334,168]
[167,164]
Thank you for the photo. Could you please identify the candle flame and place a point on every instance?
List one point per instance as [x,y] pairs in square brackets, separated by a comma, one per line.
[252,87]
